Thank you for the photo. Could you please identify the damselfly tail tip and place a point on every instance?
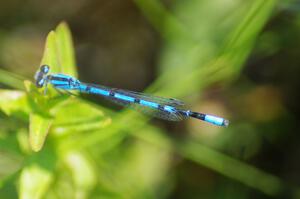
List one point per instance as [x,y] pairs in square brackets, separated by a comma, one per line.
[225,123]
[216,120]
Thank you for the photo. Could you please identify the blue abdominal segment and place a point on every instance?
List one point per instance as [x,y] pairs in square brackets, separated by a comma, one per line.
[124,97]
[147,103]
[85,88]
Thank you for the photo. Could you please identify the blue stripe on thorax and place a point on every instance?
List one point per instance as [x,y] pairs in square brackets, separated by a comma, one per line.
[62,76]
[59,82]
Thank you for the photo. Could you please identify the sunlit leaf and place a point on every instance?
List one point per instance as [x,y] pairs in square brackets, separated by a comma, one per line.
[65,50]
[10,163]
[59,51]
[39,118]
[13,101]
[50,53]
[34,182]
[59,55]
[38,130]
[82,169]
[141,169]
[87,117]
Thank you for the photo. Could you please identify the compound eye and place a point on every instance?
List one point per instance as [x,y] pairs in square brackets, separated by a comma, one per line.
[45,69]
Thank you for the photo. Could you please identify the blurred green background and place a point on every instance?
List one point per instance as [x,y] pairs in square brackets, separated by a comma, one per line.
[233,58]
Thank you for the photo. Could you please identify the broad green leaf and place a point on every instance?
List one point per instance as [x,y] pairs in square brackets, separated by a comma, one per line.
[82,169]
[65,50]
[38,130]
[23,137]
[37,174]
[141,168]
[10,164]
[59,51]
[50,53]
[13,101]
[39,118]
[87,117]
[42,103]
[34,182]
[59,55]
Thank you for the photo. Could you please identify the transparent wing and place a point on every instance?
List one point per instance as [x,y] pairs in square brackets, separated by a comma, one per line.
[148,97]
[158,113]
[156,99]
[174,116]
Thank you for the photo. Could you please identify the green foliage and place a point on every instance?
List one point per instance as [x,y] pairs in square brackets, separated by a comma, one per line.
[75,147]
[60,56]
[54,113]
[59,51]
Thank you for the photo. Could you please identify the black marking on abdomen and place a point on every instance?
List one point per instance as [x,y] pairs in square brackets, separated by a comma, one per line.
[70,82]
[88,89]
[161,107]
[112,93]
[136,100]
[200,116]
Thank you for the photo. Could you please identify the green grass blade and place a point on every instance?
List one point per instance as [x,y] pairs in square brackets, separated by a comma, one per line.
[198,57]
[217,161]
[158,15]
[11,79]
[232,168]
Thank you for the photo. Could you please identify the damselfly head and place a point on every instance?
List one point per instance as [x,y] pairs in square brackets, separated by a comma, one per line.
[44,69]
[40,76]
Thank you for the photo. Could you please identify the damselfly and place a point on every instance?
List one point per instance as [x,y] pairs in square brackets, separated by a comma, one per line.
[163,108]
